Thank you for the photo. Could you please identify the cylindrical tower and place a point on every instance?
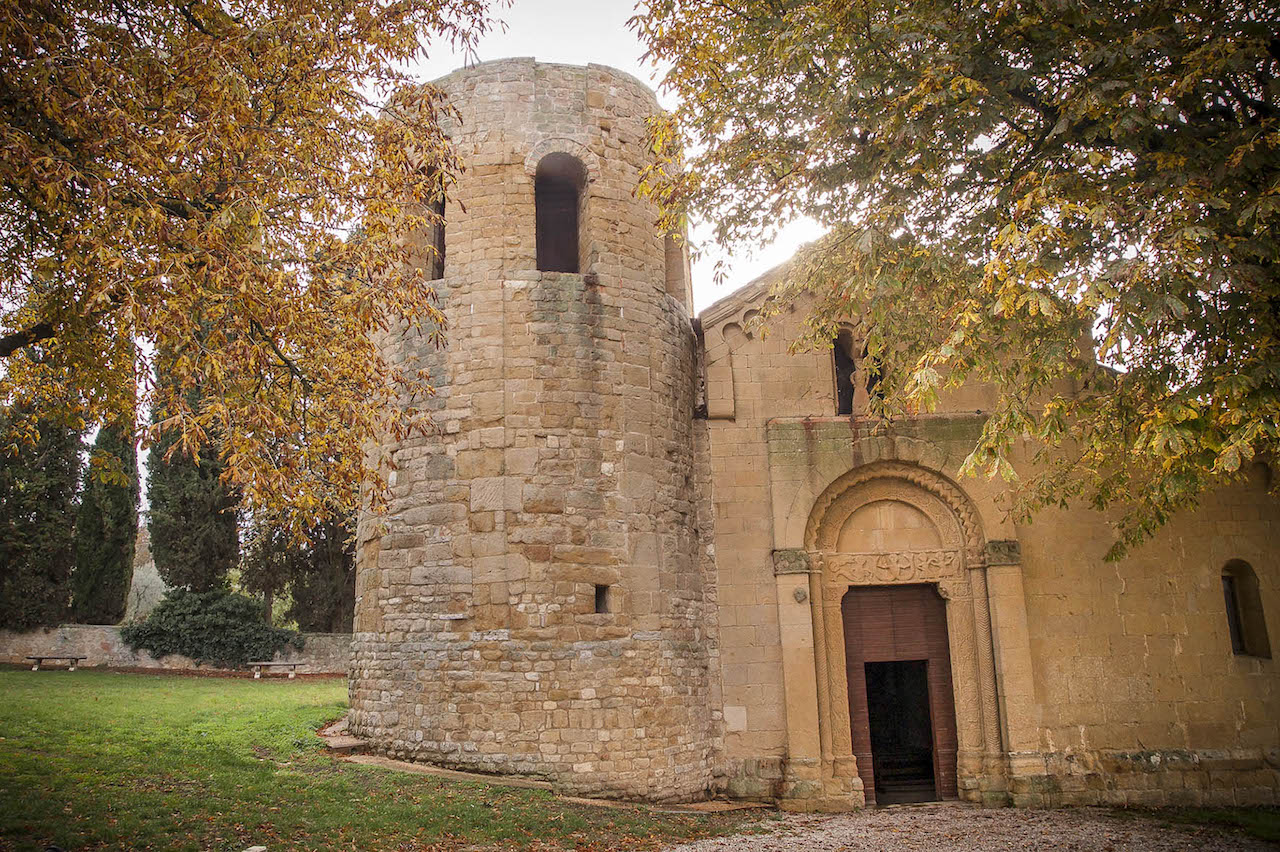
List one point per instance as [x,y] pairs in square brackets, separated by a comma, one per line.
[533,601]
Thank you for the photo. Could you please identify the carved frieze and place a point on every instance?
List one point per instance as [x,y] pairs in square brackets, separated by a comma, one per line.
[908,566]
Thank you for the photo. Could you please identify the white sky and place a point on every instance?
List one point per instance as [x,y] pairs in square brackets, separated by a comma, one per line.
[583,31]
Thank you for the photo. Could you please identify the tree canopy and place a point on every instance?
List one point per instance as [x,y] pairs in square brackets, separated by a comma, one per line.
[1077,202]
[230,184]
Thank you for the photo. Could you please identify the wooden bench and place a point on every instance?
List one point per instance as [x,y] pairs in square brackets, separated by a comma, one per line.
[39,660]
[266,664]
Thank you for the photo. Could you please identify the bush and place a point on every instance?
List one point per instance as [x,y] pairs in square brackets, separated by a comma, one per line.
[218,627]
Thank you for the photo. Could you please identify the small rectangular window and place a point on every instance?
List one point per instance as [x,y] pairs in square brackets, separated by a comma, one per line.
[602,598]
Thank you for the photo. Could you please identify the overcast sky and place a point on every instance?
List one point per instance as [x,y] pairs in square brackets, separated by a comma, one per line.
[582,31]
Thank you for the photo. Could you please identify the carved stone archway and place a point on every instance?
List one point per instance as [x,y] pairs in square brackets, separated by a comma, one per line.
[956,562]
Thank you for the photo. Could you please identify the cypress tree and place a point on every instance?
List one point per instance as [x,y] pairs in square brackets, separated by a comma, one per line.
[39,475]
[269,557]
[106,529]
[192,519]
[319,573]
[323,582]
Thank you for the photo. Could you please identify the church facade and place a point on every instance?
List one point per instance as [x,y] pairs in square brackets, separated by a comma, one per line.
[651,555]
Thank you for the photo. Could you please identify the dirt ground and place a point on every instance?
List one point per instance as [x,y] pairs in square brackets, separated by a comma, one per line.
[965,828]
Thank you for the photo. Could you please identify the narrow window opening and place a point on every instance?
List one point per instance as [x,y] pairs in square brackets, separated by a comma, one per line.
[845,368]
[559,189]
[1233,614]
[602,598]
[437,239]
[1246,622]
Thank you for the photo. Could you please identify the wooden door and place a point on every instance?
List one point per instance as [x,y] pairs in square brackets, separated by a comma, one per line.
[900,624]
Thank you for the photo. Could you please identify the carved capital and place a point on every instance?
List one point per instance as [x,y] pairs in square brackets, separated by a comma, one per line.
[791,561]
[1003,552]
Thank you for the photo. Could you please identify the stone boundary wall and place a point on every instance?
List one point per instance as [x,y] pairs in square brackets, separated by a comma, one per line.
[322,653]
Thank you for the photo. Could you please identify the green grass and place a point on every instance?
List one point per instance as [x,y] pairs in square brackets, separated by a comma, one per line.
[100,760]
[1263,823]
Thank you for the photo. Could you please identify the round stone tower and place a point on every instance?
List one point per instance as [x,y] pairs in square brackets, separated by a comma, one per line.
[533,601]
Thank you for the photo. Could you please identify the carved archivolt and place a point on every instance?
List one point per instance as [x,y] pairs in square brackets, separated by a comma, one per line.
[841,498]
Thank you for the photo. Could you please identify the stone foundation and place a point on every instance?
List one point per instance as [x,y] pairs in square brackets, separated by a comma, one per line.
[1191,778]
[487,703]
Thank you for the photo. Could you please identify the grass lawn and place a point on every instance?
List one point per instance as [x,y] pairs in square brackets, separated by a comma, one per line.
[100,760]
[1262,823]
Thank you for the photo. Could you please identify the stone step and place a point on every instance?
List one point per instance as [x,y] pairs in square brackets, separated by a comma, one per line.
[345,744]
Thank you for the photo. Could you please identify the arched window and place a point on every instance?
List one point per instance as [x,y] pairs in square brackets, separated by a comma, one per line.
[559,188]
[1245,620]
[845,368]
[857,375]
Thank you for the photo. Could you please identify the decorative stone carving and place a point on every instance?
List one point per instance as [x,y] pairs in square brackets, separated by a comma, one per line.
[791,562]
[927,480]
[1004,552]
[918,566]
[951,513]
[936,510]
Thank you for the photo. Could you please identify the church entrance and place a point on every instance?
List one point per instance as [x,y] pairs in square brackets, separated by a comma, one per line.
[901,731]
[901,706]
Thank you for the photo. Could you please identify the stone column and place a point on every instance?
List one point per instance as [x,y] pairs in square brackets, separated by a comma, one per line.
[802,774]
[1010,638]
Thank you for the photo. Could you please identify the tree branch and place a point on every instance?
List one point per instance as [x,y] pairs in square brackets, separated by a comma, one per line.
[12,342]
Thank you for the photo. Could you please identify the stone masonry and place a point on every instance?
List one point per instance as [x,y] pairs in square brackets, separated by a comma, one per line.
[562,482]
[629,560]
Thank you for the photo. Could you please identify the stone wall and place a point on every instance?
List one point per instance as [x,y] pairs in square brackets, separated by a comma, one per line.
[1149,705]
[564,465]
[1076,680]
[322,653]
[570,459]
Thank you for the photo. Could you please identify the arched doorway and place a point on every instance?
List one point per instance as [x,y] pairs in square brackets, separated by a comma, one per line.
[901,615]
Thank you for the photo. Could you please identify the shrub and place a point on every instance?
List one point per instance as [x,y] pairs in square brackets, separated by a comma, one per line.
[218,627]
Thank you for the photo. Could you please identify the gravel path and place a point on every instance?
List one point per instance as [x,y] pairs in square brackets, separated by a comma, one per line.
[964,828]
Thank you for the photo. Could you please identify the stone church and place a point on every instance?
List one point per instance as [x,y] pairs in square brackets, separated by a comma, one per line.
[652,555]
